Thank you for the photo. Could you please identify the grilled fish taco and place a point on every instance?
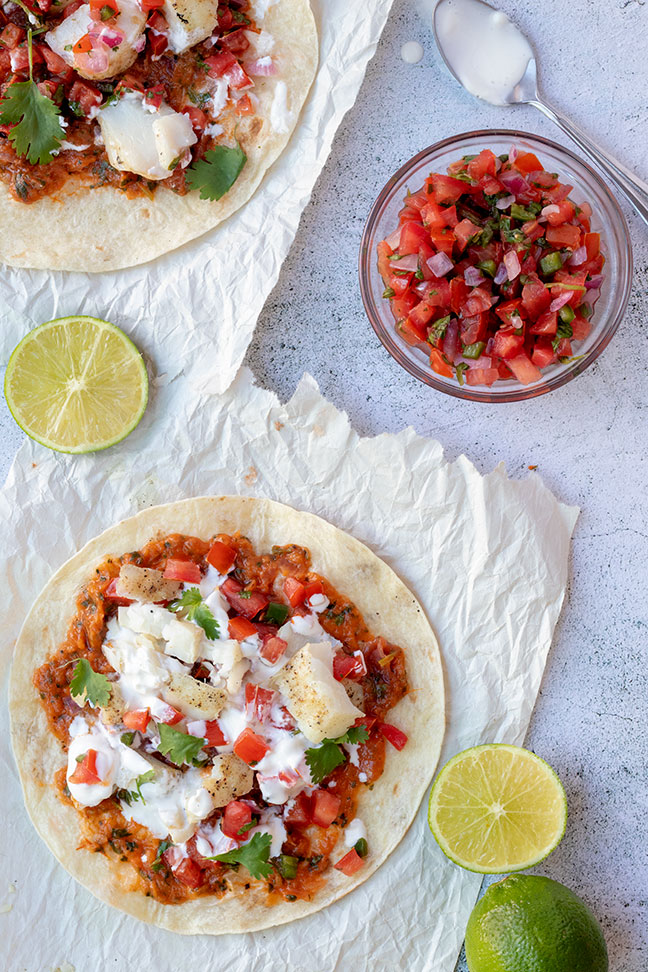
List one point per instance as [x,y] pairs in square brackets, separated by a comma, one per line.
[225,714]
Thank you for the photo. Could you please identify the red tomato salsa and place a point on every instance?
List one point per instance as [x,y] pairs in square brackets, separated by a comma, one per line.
[492,271]
[315,819]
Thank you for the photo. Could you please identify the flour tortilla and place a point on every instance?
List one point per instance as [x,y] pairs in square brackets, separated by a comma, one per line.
[91,230]
[389,610]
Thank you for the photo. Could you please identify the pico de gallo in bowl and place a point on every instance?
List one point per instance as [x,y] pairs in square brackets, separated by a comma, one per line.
[495,266]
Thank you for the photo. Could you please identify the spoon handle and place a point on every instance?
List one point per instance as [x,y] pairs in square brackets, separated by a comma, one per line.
[633,188]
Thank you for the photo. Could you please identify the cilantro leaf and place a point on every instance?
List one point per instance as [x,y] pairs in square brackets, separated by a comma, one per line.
[194,609]
[254,856]
[132,796]
[323,759]
[216,172]
[144,778]
[37,131]
[88,685]
[178,746]
[158,863]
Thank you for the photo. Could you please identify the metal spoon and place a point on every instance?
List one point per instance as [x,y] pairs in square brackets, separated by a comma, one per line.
[525,92]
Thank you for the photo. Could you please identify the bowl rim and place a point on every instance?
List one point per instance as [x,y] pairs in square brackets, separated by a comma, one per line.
[472,392]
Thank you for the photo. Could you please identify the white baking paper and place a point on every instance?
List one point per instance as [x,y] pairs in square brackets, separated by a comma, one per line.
[209,293]
[487,557]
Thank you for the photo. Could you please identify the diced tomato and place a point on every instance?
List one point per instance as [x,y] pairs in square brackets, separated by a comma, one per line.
[198,121]
[393,735]
[348,666]
[86,771]
[236,41]
[464,232]
[477,302]
[85,95]
[148,5]
[445,188]
[384,264]
[325,807]
[157,43]
[592,245]
[418,332]
[565,214]
[137,719]
[171,716]
[535,296]
[543,353]
[221,556]
[298,813]
[240,628]
[48,88]
[567,236]
[224,65]
[249,606]
[412,235]
[524,369]
[458,294]
[533,230]
[189,874]
[564,348]
[547,323]
[350,863]
[258,702]
[443,240]
[439,364]
[72,7]
[55,63]
[580,328]
[527,162]
[12,36]
[103,9]
[283,719]
[294,591]
[509,313]
[313,587]
[484,164]
[250,747]
[474,329]
[225,17]
[112,595]
[272,649]
[182,570]
[236,816]
[83,45]
[481,376]
[244,106]
[214,734]
[507,344]
[154,96]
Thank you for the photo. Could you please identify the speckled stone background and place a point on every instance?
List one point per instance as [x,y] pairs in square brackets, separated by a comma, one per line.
[588,439]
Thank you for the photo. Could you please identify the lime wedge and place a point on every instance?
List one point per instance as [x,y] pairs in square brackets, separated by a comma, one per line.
[497,808]
[76,384]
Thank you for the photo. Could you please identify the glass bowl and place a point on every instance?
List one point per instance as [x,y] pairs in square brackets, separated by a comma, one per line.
[607,219]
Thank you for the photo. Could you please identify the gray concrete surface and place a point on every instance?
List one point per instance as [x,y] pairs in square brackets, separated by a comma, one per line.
[588,439]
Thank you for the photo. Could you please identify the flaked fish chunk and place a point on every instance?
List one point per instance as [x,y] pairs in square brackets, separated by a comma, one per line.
[145,584]
[227,778]
[193,698]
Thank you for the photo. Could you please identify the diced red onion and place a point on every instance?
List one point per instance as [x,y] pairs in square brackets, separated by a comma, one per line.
[505,202]
[140,44]
[513,154]
[263,67]
[94,61]
[409,263]
[559,302]
[578,256]
[393,239]
[473,277]
[514,182]
[422,288]
[451,339]
[501,275]
[440,264]
[548,211]
[595,282]
[512,264]
[112,38]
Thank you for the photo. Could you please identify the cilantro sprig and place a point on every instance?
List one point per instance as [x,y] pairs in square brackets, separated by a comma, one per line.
[255,856]
[37,131]
[323,759]
[216,172]
[132,796]
[180,747]
[193,608]
[158,863]
[88,685]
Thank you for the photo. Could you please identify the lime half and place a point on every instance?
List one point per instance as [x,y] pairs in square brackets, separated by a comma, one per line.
[76,384]
[497,808]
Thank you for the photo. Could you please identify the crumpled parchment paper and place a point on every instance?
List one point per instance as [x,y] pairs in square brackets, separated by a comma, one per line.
[208,294]
[486,556]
